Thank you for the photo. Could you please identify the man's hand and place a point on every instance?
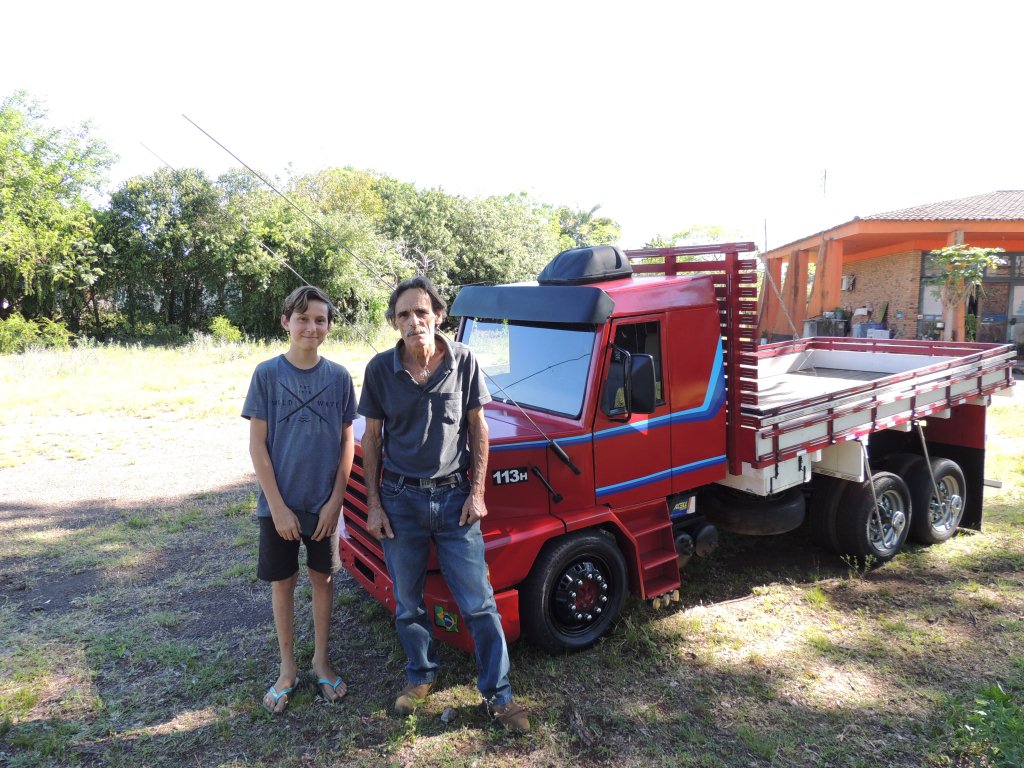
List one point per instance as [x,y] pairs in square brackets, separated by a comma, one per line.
[473,509]
[286,523]
[377,521]
[327,523]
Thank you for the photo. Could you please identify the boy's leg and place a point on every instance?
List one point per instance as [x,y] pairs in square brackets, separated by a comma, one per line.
[323,560]
[283,599]
[279,564]
[323,603]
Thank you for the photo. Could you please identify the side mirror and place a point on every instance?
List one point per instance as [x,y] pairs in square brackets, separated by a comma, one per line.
[615,396]
[643,394]
[630,387]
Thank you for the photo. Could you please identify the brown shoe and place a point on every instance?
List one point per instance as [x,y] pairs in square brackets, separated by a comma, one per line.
[411,697]
[511,716]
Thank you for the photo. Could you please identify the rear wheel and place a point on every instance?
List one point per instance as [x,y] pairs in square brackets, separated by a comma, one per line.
[873,534]
[826,493]
[936,519]
[574,592]
[900,463]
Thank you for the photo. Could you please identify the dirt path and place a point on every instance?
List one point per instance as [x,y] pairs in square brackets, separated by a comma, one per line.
[131,462]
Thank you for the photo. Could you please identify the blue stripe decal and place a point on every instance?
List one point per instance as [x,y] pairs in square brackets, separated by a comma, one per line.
[629,485]
[563,441]
[714,396]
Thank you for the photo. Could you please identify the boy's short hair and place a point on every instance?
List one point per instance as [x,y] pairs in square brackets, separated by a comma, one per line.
[298,300]
[439,305]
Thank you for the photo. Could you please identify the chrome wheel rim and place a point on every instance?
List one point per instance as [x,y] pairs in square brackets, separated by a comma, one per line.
[885,529]
[944,513]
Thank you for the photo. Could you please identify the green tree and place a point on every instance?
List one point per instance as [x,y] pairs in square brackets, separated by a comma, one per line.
[579,228]
[169,259]
[961,269]
[695,234]
[49,258]
[274,247]
[500,239]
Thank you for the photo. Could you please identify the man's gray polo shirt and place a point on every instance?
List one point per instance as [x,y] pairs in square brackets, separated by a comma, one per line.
[425,432]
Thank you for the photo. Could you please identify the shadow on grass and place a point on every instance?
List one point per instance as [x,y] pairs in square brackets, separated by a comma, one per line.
[158,648]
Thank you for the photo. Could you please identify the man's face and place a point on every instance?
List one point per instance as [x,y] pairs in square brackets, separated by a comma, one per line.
[415,318]
[308,328]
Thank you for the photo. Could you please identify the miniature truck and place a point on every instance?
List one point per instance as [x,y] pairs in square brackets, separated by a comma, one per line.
[635,415]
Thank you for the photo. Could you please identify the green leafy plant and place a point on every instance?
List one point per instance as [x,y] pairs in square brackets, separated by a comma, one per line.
[18,334]
[995,724]
[222,330]
[960,268]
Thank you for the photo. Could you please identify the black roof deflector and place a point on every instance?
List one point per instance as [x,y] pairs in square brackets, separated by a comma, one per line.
[534,303]
[586,265]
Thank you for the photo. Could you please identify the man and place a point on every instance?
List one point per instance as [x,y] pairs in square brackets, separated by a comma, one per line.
[423,402]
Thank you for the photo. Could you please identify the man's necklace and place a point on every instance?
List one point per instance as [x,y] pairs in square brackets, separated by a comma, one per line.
[420,373]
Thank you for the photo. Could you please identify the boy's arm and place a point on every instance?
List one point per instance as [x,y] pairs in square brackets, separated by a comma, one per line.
[285,521]
[377,522]
[330,512]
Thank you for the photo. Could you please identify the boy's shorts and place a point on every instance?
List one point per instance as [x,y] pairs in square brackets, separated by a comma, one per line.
[279,558]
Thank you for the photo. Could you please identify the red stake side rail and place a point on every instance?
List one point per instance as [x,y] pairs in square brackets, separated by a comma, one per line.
[798,427]
[735,282]
[762,436]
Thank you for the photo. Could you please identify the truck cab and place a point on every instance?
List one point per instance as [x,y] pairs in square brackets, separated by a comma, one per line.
[633,413]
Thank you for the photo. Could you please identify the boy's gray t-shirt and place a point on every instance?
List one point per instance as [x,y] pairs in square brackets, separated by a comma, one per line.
[304,411]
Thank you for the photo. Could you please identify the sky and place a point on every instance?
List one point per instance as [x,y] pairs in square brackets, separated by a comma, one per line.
[772,120]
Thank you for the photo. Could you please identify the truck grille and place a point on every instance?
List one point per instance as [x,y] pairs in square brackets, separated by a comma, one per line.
[354,510]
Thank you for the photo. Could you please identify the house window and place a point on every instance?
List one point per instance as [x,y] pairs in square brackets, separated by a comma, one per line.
[929,313]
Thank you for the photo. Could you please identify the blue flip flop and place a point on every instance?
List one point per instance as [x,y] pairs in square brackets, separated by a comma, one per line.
[322,681]
[277,696]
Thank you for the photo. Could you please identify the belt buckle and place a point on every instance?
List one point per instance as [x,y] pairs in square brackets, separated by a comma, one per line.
[428,482]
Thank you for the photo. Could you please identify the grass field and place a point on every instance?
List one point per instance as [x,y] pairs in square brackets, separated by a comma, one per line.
[136,634]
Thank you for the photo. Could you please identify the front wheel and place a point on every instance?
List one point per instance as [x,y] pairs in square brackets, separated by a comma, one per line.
[574,592]
[874,535]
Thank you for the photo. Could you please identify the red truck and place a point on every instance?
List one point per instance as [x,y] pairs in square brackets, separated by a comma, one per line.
[635,415]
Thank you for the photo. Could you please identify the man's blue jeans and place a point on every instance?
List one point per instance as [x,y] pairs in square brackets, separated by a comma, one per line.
[418,515]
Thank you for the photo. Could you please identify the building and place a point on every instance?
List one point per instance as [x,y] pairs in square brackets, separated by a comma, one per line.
[875,267]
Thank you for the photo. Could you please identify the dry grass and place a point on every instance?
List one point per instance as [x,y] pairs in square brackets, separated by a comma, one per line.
[134,633]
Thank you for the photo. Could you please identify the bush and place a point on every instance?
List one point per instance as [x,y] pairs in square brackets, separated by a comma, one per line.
[53,334]
[18,334]
[222,330]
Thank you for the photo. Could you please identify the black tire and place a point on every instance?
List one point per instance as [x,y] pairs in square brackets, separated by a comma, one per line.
[933,522]
[740,512]
[859,533]
[826,494]
[899,463]
[574,592]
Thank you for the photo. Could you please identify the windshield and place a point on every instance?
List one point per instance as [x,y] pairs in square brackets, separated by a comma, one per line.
[545,368]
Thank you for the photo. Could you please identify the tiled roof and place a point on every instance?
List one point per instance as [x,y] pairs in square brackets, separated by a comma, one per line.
[1006,205]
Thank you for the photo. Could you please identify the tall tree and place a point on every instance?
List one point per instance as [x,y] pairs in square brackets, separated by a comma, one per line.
[170,256]
[695,234]
[579,228]
[48,255]
[274,247]
[501,239]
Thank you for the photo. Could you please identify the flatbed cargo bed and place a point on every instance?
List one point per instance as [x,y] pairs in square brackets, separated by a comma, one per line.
[810,393]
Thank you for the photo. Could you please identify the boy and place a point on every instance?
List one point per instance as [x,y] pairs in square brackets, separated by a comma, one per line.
[300,408]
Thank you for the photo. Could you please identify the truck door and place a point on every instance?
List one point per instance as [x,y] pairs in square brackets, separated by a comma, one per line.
[632,452]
